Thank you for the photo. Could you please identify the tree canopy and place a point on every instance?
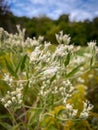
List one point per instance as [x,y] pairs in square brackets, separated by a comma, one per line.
[80,32]
[4,8]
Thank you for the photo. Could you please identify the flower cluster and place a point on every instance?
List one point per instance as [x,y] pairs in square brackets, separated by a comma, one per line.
[86,108]
[62,38]
[71,111]
[13,97]
[50,71]
[8,79]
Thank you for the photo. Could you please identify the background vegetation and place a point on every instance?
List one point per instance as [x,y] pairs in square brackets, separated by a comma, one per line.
[80,32]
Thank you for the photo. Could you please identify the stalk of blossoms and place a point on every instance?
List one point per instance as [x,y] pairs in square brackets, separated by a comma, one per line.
[42,78]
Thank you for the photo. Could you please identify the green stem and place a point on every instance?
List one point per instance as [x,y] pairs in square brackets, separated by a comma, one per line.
[11,112]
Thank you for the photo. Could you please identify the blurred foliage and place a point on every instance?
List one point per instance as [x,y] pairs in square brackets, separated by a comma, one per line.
[81,32]
[4,7]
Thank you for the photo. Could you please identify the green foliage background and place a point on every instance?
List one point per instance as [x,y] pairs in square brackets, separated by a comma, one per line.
[81,32]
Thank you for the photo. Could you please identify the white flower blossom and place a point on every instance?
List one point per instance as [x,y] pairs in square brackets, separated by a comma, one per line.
[61,51]
[51,71]
[92,44]
[86,109]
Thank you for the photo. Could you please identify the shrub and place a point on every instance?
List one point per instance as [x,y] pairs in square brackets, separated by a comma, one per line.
[37,82]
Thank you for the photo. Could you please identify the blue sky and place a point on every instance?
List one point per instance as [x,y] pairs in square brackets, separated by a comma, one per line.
[78,10]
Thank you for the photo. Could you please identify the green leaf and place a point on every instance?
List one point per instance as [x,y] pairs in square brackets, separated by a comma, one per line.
[6,125]
[53,78]
[17,68]
[25,90]
[3,116]
[67,59]
[74,71]
[34,116]
[9,67]
[23,62]
[91,61]
[52,127]
[15,127]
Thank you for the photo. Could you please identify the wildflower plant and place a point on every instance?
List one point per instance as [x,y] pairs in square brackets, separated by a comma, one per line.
[40,80]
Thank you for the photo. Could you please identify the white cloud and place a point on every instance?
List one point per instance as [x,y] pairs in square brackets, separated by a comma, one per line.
[80,15]
[42,2]
[96,12]
[78,9]
[55,14]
